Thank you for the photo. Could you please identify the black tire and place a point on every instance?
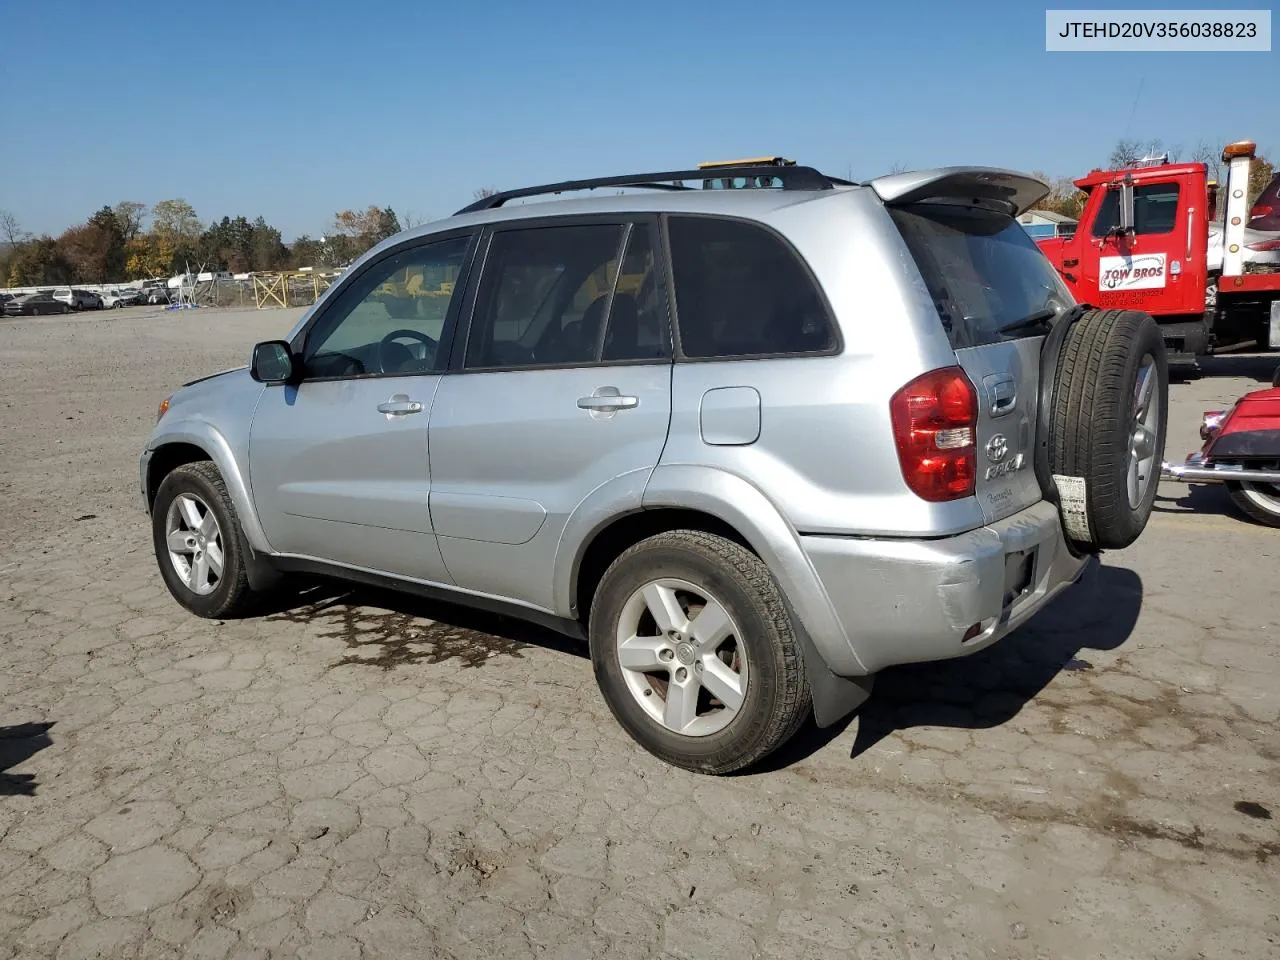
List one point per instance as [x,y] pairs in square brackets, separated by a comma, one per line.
[776,700]
[1093,416]
[232,596]
[65,308]
[1258,512]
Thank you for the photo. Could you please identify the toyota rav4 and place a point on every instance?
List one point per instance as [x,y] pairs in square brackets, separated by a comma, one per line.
[753,445]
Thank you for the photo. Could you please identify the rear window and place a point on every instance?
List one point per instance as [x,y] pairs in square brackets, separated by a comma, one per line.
[982,269]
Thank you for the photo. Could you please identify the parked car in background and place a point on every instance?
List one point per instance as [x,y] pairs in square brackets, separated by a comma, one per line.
[121,298]
[78,299]
[158,295]
[1265,213]
[34,304]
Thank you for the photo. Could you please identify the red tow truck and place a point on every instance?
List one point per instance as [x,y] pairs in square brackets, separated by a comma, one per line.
[1152,238]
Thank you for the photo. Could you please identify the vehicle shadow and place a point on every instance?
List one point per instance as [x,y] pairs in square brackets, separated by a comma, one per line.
[1260,367]
[990,687]
[1204,498]
[388,629]
[17,744]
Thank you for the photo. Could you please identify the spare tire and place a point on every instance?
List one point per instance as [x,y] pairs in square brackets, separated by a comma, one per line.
[1108,418]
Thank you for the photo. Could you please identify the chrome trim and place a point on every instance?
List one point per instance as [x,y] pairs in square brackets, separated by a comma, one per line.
[1193,472]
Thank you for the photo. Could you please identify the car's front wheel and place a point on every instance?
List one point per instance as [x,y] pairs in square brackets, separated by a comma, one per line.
[194,532]
[695,653]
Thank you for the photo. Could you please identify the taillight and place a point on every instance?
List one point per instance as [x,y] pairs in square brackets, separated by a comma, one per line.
[1264,245]
[1261,210]
[935,421]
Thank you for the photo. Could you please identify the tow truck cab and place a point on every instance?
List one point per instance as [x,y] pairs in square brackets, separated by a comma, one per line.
[1143,244]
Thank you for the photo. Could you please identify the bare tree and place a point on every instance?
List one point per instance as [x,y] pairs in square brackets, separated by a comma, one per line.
[483,192]
[409,219]
[1210,155]
[130,213]
[1124,154]
[10,230]
[898,167]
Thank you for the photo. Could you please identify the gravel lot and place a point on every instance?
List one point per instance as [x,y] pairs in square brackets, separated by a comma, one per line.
[361,775]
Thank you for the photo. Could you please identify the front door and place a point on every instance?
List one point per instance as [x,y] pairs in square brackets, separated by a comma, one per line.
[1158,267]
[339,462]
[563,392]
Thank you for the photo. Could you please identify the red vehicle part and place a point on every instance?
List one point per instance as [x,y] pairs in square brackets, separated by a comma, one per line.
[1242,450]
[1142,243]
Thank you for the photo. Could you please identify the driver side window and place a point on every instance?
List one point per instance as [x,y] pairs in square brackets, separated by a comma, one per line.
[388,321]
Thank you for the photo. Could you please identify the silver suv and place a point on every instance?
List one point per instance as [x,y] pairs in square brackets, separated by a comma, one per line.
[754,445]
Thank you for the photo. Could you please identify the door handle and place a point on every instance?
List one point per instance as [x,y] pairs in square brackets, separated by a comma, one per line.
[608,402]
[1003,392]
[1071,263]
[399,407]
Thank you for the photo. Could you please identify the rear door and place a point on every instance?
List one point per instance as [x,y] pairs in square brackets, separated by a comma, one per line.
[984,272]
[559,391]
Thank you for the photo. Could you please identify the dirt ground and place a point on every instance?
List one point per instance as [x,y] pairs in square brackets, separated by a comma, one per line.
[361,775]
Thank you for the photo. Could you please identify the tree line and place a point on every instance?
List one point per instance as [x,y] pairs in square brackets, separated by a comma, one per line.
[133,242]
[1064,198]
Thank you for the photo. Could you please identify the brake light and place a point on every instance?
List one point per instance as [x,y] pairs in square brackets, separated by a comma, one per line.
[935,421]
[1261,210]
[1263,246]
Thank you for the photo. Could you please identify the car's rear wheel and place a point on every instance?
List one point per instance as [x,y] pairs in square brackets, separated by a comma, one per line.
[1109,421]
[65,309]
[195,534]
[1258,501]
[695,653]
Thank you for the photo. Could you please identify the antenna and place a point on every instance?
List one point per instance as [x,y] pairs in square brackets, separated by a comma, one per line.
[1134,109]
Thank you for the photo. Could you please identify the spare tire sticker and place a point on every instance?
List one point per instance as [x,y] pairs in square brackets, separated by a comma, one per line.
[1073,504]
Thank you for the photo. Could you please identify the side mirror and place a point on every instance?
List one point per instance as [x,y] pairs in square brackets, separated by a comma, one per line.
[1126,206]
[272,362]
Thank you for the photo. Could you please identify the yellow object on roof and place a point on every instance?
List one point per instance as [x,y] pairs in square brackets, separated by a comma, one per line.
[749,162]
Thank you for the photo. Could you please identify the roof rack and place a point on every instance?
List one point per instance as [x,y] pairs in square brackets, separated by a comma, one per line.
[792,178]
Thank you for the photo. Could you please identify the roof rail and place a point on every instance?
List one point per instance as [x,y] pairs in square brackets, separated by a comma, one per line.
[792,178]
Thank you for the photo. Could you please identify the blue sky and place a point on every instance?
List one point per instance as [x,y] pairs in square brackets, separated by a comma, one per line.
[250,109]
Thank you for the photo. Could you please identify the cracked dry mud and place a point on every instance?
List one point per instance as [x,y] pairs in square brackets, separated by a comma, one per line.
[354,774]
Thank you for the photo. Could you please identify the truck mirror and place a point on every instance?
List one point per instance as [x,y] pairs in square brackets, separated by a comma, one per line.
[1126,207]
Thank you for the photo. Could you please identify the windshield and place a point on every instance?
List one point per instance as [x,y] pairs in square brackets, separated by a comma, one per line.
[982,269]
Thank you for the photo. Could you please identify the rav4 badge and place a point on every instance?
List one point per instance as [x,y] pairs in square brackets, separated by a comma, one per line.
[997,450]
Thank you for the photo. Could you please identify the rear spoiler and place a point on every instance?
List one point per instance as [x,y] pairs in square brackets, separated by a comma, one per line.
[1015,191]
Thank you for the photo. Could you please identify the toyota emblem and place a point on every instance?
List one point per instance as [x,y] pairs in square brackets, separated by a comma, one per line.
[997,447]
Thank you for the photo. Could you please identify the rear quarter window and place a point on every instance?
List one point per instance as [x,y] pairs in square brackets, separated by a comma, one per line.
[742,292]
[983,270]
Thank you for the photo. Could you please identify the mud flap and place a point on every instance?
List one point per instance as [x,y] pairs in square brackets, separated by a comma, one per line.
[834,697]
[259,570]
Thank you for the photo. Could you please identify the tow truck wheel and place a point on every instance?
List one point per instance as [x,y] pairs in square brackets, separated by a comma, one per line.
[1110,416]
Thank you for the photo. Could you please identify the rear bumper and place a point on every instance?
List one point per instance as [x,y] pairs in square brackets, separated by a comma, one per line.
[907,601]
